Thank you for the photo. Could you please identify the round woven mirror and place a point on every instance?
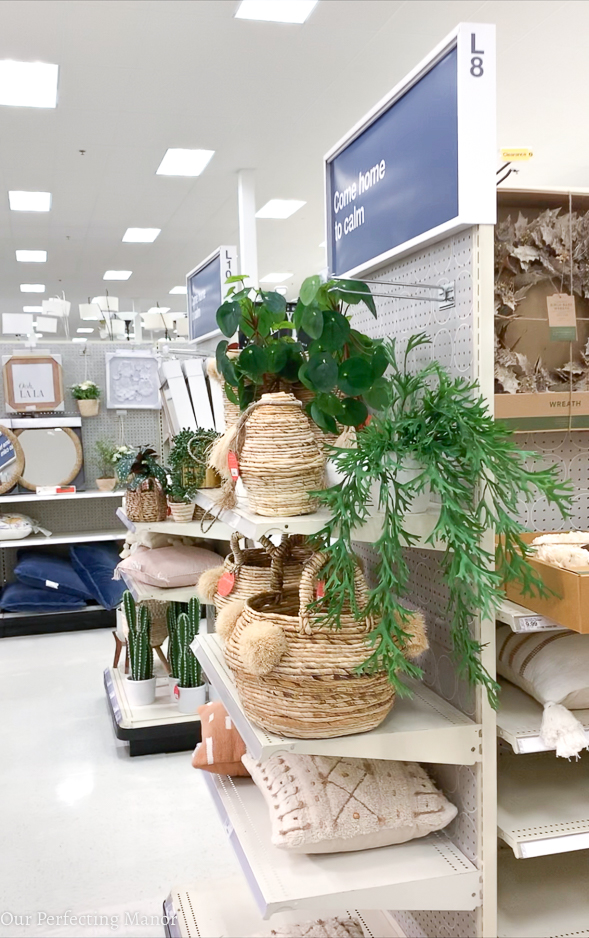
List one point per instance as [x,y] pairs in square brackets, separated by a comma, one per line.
[12,460]
[52,455]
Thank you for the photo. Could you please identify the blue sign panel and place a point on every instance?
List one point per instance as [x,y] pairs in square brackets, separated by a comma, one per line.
[399,177]
[7,453]
[203,292]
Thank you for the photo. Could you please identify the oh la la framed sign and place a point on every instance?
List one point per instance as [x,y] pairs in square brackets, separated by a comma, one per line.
[32,383]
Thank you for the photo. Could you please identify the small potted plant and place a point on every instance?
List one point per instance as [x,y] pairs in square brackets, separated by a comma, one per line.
[107,480]
[190,691]
[147,483]
[180,498]
[173,610]
[189,457]
[87,394]
[140,682]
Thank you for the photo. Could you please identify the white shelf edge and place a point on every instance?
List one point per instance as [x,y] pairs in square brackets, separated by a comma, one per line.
[520,619]
[215,531]
[519,719]
[160,713]
[423,729]
[78,538]
[32,497]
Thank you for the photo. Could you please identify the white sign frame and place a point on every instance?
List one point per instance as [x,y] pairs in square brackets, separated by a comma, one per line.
[152,400]
[228,255]
[477,137]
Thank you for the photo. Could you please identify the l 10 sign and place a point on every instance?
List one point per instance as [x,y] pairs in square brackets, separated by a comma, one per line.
[205,290]
[422,163]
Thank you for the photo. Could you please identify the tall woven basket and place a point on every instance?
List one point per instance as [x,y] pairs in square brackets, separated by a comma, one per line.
[263,569]
[279,459]
[147,502]
[296,677]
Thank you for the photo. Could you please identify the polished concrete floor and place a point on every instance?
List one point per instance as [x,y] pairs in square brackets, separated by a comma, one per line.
[83,827]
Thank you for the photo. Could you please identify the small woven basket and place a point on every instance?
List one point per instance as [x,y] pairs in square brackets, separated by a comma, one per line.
[147,502]
[263,569]
[313,690]
[279,459]
[182,512]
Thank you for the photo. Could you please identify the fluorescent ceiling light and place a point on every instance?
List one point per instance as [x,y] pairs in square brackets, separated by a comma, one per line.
[32,309]
[21,201]
[275,11]
[117,274]
[28,84]
[282,290]
[178,162]
[32,288]
[75,339]
[177,291]
[144,235]
[280,208]
[31,257]
[276,277]
[159,309]
[85,330]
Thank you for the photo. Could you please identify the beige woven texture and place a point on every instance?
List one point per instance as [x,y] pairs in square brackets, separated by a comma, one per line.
[147,502]
[256,568]
[312,692]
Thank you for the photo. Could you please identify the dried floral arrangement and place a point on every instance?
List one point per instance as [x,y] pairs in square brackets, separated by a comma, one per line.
[528,252]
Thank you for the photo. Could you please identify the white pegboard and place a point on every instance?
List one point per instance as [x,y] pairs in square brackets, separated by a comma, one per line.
[570,452]
[437,924]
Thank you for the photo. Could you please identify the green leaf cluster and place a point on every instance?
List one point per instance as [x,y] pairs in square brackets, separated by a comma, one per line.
[188,462]
[141,464]
[480,475]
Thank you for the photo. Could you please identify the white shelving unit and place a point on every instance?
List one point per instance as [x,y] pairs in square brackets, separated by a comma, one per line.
[36,540]
[215,531]
[546,896]
[519,719]
[32,497]
[429,873]
[421,728]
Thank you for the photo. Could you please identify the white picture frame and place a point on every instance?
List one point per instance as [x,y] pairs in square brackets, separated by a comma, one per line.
[132,381]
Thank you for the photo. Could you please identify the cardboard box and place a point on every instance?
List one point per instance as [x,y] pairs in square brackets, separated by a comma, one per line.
[570,604]
[548,411]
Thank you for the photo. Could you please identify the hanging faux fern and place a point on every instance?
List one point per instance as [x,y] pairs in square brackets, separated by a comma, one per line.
[473,464]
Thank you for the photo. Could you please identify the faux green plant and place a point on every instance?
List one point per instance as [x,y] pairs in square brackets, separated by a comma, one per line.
[86,391]
[141,464]
[106,450]
[173,611]
[340,366]
[188,462]
[189,671]
[475,467]
[140,650]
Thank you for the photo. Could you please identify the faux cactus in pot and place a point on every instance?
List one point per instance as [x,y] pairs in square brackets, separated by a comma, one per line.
[140,682]
[172,613]
[191,691]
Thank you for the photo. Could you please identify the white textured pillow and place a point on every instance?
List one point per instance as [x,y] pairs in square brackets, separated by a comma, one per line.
[322,804]
[168,567]
[551,666]
[320,928]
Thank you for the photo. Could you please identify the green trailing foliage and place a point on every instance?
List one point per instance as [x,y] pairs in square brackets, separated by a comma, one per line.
[189,670]
[140,650]
[480,475]
[314,346]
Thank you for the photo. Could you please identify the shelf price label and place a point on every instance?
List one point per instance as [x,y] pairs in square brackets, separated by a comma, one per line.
[562,317]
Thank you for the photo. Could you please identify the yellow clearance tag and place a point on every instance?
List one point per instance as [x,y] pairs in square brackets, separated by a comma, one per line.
[514,155]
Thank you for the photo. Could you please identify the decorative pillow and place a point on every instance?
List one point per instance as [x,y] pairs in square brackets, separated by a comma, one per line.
[168,567]
[320,928]
[323,804]
[15,527]
[48,571]
[95,564]
[18,597]
[552,667]
[222,747]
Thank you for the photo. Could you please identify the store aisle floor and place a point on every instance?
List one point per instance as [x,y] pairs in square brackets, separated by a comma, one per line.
[84,827]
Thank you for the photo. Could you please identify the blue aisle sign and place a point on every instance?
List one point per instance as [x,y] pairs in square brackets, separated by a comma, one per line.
[205,290]
[7,453]
[421,163]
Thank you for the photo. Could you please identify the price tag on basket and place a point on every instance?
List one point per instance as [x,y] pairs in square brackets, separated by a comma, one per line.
[226,583]
[320,592]
[233,464]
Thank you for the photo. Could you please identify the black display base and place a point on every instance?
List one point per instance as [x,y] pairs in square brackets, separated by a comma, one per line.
[57,622]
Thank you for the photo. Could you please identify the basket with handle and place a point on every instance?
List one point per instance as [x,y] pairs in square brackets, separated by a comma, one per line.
[147,502]
[296,676]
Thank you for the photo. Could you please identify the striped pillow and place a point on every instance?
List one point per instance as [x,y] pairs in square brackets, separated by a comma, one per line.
[551,666]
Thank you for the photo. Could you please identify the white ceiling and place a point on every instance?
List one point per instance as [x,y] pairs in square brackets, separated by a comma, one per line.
[139,76]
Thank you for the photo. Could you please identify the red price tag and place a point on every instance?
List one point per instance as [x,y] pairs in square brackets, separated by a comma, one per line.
[233,466]
[226,583]
[320,589]
[176,692]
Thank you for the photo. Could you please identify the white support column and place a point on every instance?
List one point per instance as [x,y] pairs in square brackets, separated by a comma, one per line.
[248,241]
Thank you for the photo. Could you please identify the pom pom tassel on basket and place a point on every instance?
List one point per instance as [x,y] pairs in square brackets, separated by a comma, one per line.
[298,678]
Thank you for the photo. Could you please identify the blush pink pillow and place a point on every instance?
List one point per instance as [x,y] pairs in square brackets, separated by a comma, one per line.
[169,567]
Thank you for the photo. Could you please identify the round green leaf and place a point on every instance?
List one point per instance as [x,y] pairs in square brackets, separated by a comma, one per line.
[336,330]
[322,371]
[352,412]
[228,316]
[355,291]
[355,376]
[290,372]
[265,321]
[221,353]
[253,362]
[237,278]
[322,420]
[231,395]
[303,376]
[275,302]
[277,355]
[329,404]
[379,362]
[309,289]
[245,393]
[378,396]
[312,321]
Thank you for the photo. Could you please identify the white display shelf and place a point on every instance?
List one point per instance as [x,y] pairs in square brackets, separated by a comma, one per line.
[141,592]
[162,712]
[423,728]
[519,719]
[426,874]
[32,497]
[203,910]
[215,531]
[78,537]
[543,804]
[250,525]
[520,619]
[60,612]
[547,897]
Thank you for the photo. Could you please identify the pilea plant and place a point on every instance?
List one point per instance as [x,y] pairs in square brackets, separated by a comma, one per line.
[189,671]
[340,366]
[140,651]
[473,464]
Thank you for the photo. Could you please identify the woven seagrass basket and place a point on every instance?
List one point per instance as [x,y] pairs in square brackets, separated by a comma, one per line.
[263,569]
[312,690]
[147,502]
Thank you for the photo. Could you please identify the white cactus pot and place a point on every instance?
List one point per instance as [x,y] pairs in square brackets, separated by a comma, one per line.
[191,698]
[172,684]
[140,693]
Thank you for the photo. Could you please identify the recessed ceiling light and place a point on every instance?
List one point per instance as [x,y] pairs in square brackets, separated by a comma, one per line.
[275,11]
[178,291]
[28,84]
[282,290]
[159,309]
[32,309]
[276,277]
[85,330]
[32,288]
[21,201]
[280,208]
[146,235]
[117,274]
[178,162]
[76,339]
[31,257]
